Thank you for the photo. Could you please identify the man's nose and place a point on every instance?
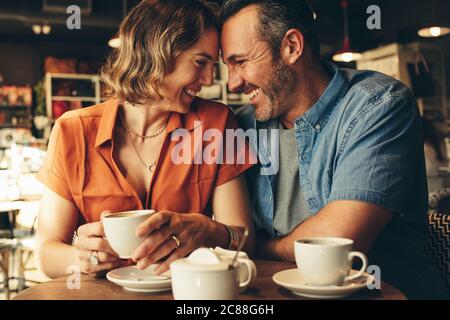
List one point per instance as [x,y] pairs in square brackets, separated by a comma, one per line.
[235,81]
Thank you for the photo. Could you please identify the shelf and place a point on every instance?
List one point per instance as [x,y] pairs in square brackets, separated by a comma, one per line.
[49,77]
[71,98]
[14,107]
[24,126]
[75,76]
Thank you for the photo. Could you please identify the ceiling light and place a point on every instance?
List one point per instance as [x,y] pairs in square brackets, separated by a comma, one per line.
[114,42]
[433,32]
[346,54]
[46,29]
[36,28]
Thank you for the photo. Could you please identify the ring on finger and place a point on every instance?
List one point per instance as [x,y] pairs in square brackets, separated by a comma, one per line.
[93,258]
[177,241]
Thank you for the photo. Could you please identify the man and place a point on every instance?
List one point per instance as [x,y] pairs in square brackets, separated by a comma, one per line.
[351,153]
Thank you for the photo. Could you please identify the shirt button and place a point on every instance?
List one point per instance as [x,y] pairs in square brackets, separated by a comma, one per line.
[317,126]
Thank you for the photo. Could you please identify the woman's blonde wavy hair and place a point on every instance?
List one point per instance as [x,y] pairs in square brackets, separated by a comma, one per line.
[152,35]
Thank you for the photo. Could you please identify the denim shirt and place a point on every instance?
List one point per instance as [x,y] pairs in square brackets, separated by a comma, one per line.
[362,141]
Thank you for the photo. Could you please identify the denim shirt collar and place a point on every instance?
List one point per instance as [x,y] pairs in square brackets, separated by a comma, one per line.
[317,116]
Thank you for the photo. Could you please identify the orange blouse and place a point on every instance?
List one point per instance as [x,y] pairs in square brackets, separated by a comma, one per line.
[80,165]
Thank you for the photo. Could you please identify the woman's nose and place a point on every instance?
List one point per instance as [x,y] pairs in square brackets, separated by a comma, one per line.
[207,78]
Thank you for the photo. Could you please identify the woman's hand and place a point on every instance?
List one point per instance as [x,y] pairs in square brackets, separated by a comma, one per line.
[164,228]
[90,241]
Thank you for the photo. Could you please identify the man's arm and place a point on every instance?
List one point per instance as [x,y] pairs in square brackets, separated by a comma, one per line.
[378,162]
[360,221]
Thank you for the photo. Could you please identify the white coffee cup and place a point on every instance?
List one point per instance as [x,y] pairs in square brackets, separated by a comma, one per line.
[325,261]
[120,230]
[218,281]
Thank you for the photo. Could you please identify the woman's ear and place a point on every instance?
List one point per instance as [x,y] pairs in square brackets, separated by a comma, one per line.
[292,46]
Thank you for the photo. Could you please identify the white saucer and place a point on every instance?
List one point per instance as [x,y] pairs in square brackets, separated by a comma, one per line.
[133,279]
[292,280]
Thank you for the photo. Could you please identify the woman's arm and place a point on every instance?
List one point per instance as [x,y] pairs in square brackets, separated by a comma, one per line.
[231,206]
[55,253]
[56,224]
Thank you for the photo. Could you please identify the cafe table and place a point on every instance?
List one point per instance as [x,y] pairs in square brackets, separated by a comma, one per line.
[263,288]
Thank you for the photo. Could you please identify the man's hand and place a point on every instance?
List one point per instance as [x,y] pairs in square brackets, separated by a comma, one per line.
[360,221]
[277,249]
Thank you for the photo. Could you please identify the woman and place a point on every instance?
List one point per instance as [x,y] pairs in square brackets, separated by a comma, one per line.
[119,155]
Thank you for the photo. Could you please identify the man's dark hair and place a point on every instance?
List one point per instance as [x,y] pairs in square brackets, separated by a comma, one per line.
[276,17]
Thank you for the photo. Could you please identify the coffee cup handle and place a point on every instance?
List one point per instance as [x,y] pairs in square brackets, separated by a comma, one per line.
[363,258]
[251,268]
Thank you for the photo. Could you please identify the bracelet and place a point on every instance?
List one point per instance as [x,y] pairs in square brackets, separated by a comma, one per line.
[234,238]
[74,237]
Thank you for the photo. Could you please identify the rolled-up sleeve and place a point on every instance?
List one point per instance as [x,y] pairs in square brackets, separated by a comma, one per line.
[380,155]
[52,173]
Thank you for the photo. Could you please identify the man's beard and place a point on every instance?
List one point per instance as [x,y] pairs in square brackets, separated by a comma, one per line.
[282,84]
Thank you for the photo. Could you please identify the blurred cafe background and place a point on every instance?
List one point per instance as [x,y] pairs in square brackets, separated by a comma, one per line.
[47,69]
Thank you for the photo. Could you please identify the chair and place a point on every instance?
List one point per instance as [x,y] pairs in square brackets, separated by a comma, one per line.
[8,226]
[7,247]
[23,240]
[438,243]
[25,252]
[4,267]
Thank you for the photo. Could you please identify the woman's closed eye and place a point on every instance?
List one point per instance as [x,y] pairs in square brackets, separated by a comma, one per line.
[201,63]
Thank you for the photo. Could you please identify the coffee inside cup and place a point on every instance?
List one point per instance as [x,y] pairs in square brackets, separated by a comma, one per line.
[320,242]
[126,214]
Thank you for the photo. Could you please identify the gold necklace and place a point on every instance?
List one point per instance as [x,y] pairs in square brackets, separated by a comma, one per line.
[157,133]
[151,166]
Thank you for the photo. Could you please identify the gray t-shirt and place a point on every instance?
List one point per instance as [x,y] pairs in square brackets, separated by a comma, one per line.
[290,206]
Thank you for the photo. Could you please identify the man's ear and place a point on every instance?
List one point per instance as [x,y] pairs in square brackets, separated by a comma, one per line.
[292,46]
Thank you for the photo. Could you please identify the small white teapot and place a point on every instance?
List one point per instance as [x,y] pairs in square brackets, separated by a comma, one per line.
[207,274]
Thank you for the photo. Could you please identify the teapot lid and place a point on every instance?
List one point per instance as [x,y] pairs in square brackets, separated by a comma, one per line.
[187,266]
[202,259]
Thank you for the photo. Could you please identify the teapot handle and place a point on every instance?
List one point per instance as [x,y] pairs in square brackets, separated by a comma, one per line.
[251,268]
